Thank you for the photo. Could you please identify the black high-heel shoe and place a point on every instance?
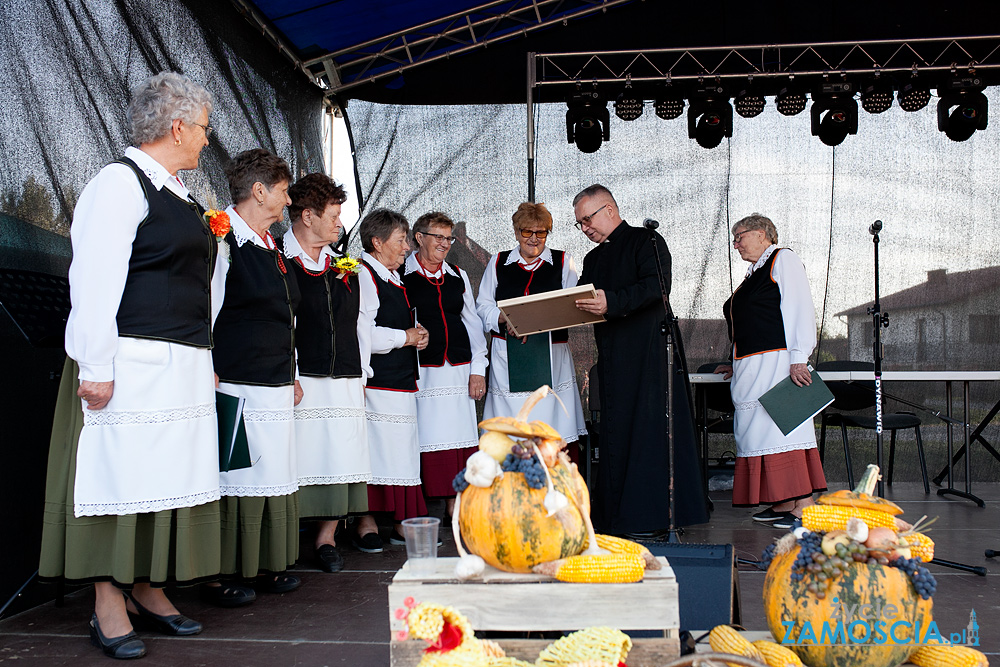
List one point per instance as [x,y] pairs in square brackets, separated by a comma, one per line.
[125,647]
[177,625]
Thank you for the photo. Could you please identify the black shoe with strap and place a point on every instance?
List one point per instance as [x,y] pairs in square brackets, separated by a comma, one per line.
[176,625]
[329,558]
[227,595]
[126,647]
[281,583]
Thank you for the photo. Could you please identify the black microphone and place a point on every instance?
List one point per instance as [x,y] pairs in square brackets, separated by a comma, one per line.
[651,224]
[875,228]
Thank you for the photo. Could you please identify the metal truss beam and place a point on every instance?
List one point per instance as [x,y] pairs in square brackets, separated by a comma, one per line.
[476,28]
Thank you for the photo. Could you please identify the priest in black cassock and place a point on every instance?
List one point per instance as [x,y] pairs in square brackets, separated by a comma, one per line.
[631,494]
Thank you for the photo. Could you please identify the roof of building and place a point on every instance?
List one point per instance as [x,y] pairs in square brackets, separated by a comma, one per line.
[940,287]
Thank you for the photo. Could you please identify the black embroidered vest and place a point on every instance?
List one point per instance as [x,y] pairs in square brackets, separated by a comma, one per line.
[326,325]
[167,292]
[513,280]
[753,314]
[439,303]
[396,369]
[255,330]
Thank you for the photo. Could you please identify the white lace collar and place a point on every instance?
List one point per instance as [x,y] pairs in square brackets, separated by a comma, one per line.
[241,230]
[762,259]
[379,268]
[156,172]
[413,265]
[515,256]
[293,250]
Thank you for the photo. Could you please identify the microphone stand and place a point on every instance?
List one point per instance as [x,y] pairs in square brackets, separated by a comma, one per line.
[879,320]
[667,330]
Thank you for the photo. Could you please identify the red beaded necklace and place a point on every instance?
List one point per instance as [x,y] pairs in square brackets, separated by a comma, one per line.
[428,275]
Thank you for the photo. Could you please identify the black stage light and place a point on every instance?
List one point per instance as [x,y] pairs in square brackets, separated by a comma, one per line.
[834,113]
[790,102]
[963,108]
[628,106]
[669,103]
[749,102]
[588,122]
[876,95]
[710,117]
[913,96]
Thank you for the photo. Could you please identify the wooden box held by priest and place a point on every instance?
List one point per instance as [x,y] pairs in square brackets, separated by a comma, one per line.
[509,602]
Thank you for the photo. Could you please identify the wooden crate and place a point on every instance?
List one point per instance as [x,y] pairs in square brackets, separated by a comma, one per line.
[508,602]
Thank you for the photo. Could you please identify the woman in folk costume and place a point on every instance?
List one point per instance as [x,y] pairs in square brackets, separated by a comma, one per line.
[772,325]
[333,342]
[255,360]
[530,268]
[453,367]
[132,489]
[391,391]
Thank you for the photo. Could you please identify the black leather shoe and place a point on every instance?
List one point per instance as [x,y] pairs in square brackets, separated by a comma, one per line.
[228,595]
[125,647]
[329,558]
[177,625]
[370,543]
[283,583]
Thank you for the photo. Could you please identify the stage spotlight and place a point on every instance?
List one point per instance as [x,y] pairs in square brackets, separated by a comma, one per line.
[710,118]
[834,113]
[749,103]
[790,102]
[588,122]
[628,106]
[669,103]
[913,96]
[963,108]
[876,95]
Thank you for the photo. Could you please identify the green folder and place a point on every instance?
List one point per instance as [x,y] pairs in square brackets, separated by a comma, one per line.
[789,405]
[529,364]
[234,451]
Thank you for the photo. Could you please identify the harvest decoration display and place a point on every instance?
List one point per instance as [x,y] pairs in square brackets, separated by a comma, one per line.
[522,506]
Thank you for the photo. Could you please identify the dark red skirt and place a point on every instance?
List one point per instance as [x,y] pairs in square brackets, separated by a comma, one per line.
[438,469]
[404,502]
[776,478]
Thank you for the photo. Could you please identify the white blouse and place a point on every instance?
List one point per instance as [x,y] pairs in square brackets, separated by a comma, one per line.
[383,339]
[797,310]
[105,221]
[473,325]
[486,304]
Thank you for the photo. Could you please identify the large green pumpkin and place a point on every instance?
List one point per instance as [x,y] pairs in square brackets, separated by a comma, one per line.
[790,602]
[506,525]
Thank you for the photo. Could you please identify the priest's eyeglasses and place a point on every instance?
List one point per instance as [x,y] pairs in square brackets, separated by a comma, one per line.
[540,234]
[450,240]
[585,220]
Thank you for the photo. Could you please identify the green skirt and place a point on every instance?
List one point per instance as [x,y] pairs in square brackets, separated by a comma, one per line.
[259,534]
[332,501]
[173,546]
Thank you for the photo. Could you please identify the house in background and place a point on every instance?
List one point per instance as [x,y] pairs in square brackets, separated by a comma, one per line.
[948,322]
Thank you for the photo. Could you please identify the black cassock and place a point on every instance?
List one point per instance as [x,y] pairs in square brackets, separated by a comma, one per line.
[631,492]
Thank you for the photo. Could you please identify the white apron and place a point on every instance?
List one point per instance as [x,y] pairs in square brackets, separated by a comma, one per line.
[446,415]
[331,432]
[392,437]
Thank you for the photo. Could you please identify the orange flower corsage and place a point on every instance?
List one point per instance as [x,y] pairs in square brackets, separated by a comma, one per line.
[218,222]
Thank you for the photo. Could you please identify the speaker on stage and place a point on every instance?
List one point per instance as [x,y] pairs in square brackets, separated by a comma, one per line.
[707,582]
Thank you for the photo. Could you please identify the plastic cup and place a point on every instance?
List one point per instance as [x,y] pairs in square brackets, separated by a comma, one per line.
[421,535]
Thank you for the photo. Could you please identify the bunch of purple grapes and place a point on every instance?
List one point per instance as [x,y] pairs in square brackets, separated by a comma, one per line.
[766,557]
[459,483]
[522,452]
[922,579]
[809,544]
[531,467]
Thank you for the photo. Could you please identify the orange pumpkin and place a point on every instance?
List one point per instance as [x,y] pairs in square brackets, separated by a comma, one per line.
[506,525]
[789,602]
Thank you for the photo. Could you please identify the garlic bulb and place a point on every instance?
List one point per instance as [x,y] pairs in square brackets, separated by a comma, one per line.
[469,566]
[481,469]
[555,501]
[857,529]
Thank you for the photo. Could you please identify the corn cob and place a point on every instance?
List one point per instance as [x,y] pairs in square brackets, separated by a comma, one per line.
[724,639]
[605,568]
[776,655]
[921,547]
[834,517]
[948,656]
[618,545]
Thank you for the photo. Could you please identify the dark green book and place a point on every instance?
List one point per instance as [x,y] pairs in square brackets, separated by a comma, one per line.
[234,450]
[529,364]
[789,405]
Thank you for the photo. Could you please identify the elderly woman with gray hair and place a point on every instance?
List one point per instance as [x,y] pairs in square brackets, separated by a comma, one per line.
[772,325]
[133,480]
[391,390]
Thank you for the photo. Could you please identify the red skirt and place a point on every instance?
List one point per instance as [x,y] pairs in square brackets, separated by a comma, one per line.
[776,478]
[404,502]
[438,470]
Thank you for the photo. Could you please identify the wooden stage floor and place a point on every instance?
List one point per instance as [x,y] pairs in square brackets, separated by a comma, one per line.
[343,618]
